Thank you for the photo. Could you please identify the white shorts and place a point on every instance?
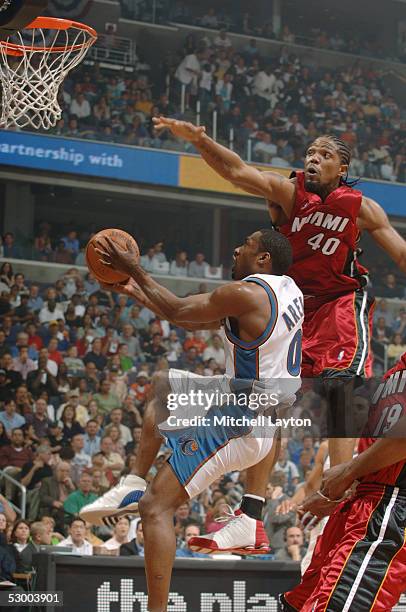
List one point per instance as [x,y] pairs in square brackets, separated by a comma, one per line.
[226,441]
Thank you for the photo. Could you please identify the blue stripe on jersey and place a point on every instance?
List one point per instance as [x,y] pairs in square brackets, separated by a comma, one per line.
[271,323]
[246,363]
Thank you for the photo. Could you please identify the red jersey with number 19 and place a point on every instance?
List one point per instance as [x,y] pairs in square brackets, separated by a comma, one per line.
[388,406]
[324,236]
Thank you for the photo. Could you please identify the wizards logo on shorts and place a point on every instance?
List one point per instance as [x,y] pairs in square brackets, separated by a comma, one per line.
[189,446]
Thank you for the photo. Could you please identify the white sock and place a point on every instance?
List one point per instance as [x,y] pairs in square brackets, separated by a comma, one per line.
[254,497]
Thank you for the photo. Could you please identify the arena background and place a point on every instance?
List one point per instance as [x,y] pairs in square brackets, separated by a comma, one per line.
[332,69]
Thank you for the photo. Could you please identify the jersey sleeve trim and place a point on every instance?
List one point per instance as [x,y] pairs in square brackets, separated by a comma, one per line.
[271,323]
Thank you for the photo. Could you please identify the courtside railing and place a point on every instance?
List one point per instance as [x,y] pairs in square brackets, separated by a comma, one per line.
[21,510]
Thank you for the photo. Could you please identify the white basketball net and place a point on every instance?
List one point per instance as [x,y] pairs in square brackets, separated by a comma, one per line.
[30,82]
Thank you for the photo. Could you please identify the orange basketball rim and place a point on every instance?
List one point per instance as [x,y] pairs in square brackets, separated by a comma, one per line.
[34,62]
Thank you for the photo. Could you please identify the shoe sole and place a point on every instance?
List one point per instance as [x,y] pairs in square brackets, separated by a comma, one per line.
[238,551]
[95,517]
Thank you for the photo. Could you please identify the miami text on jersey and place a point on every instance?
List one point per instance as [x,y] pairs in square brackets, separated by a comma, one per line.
[321,219]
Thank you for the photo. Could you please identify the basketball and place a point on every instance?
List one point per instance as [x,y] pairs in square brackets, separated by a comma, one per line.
[105,274]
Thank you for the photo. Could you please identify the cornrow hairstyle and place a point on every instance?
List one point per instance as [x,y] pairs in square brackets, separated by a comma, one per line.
[345,154]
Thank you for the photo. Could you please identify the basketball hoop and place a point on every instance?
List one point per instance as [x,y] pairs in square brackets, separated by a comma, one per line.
[34,62]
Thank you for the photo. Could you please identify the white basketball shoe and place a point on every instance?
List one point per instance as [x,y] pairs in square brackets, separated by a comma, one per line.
[121,500]
[242,535]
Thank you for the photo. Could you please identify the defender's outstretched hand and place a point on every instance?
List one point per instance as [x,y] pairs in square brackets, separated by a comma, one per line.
[181,129]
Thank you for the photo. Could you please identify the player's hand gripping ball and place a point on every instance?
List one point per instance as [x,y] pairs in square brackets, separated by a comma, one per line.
[110,255]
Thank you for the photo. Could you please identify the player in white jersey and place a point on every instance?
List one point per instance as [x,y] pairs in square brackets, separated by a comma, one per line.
[262,314]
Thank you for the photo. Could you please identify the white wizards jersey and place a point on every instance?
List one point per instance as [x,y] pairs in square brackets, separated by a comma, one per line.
[276,353]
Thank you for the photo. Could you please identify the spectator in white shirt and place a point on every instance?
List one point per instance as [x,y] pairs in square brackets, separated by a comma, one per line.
[179,264]
[149,261]
[206,85]
[224,89]
[80,107]
[209,20]
[222,41]
[76,539]
[295,127]
[52,366]
[51,311]
[23,363]
[80,309]
[127,337]
[198,267]
[289,469]
[116,417]
[387,170]
[159,253]
[222,63]
[188,69]
[264,149]
[215,351]
[80,460]
[174,348]
[264,84]
[120,535]
[92,437]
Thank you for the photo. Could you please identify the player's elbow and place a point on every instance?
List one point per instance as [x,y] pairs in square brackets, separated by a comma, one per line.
[236,173]
[233,175]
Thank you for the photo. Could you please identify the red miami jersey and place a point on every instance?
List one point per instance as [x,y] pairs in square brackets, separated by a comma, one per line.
[388,406]
[323,236]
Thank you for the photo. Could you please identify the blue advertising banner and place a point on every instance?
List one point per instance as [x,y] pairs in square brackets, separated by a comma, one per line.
[392,196]
[89,158]
[106,160]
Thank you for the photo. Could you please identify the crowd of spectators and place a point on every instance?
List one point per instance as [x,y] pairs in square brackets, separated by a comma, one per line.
[347,40]
[356,43]
[272,108]
[69,249]
[389,328]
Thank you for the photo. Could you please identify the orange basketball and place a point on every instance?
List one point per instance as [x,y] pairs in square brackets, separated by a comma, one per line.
[106,274]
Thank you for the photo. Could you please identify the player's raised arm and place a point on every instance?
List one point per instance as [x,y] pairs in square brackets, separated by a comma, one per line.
[374,219]
[230,166]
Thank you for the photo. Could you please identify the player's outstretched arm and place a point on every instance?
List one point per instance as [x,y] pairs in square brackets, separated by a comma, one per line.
[132,289]
[232,299]
[374,219]
[230,166]
[228,300]
[384,452]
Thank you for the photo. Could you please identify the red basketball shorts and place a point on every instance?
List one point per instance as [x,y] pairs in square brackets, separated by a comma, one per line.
[336,337]
[359,561]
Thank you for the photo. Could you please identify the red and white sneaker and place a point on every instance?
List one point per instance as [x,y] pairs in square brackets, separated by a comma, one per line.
[242,535]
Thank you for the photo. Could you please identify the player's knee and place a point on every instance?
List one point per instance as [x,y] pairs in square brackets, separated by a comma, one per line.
[149,508]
